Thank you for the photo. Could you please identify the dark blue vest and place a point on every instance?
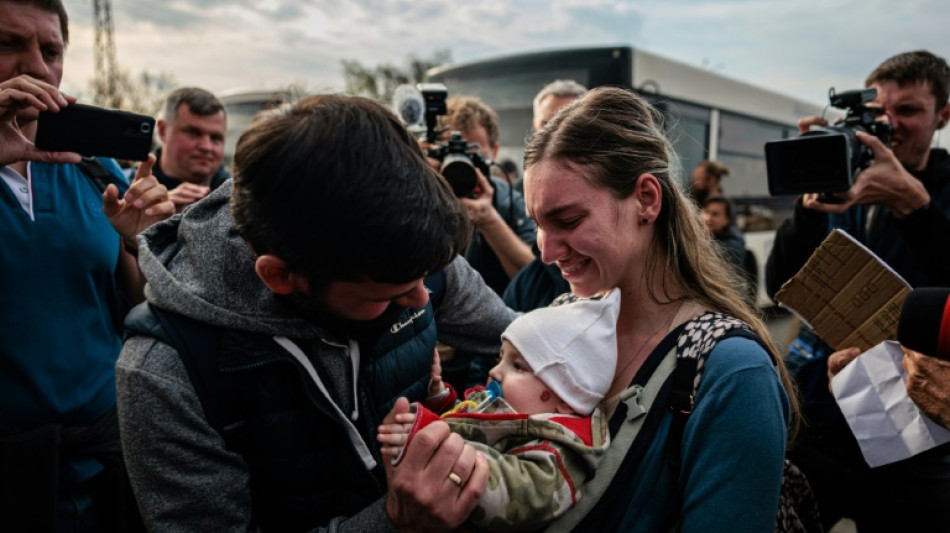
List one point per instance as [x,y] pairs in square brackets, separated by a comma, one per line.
[303,469]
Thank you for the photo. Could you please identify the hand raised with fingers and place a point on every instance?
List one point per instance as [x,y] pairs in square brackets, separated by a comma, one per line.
[145,203]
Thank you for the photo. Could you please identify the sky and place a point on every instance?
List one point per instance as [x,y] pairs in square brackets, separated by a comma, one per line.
[799,48]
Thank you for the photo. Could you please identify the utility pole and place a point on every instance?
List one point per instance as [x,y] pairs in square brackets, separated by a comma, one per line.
[106,69]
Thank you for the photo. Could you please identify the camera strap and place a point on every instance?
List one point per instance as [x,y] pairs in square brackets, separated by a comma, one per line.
[101,177]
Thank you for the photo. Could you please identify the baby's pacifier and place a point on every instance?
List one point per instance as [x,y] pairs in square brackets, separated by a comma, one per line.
[494,390]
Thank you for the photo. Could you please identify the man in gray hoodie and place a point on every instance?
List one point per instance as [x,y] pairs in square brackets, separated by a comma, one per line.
[287,312]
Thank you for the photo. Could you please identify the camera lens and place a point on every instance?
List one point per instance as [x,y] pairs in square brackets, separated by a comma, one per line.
[460,173]
[145,127]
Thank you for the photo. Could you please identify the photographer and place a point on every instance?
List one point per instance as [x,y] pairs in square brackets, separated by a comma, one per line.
[899,207]
[501,244]
[65,264]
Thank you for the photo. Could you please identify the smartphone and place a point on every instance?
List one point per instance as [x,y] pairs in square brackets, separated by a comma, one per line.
[96,131]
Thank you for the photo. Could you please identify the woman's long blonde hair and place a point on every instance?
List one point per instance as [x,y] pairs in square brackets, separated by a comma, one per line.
[617,136]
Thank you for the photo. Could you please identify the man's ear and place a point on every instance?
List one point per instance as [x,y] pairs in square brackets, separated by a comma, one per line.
[274,273]
[161,127]
[943,116]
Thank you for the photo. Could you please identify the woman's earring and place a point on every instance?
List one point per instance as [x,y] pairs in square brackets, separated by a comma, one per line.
[644,221]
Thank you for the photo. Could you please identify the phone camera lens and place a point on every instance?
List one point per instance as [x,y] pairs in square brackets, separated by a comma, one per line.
[145,127]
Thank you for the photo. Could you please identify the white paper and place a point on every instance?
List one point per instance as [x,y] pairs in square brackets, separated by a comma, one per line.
[872,394]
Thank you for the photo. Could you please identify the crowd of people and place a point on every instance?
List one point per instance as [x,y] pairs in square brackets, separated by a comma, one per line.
[191,351]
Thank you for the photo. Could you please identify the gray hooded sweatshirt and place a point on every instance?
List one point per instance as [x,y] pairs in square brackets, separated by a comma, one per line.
[196,265]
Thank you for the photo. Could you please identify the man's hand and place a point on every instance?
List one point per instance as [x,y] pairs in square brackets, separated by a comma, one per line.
[25,97]
[928,385]
[805,124]
[145,203]
[839,360]
[885,182]
[511,251]
[426,148]
[422,495]
[481,212]
[186,194]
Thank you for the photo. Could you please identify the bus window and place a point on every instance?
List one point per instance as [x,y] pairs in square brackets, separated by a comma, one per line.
[511,96]
[688,128]
[509,84]
[708,115]
[741,148]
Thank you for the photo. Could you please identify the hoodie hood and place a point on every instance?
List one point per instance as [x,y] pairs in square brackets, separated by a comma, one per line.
[197,265]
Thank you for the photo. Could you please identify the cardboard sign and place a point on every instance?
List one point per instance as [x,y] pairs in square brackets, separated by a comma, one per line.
[846,294]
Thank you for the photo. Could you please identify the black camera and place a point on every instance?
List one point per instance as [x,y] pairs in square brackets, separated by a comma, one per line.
[826,159]
[458,158]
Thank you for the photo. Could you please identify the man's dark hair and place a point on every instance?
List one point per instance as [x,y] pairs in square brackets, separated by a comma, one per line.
[52,6]
[199,101]
[509,167]
[339,189]
[909,68]
[714,169]
[726,204]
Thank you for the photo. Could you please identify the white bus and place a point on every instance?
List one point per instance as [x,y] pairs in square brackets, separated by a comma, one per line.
[708,115]
[242,105]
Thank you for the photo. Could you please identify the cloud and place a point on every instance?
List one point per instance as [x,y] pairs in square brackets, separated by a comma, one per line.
[800,48]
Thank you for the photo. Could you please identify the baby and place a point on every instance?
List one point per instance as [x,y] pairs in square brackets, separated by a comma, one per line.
[537,422]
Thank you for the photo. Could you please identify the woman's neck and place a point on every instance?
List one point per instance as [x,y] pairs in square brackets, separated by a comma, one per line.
[642,325]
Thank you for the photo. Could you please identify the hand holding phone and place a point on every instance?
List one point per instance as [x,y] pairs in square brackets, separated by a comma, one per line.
[96,131]
[21,100]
